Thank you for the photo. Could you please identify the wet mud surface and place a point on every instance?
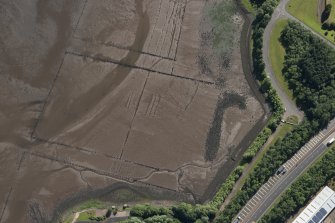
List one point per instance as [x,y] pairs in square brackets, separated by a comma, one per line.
[98,95]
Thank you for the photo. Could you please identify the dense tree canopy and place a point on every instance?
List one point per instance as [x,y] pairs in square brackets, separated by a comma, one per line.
[310,70]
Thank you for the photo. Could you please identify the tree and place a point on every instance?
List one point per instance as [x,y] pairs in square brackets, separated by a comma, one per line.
[326,13]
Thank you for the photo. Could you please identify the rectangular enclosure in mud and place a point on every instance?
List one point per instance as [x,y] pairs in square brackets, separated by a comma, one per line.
[143,94]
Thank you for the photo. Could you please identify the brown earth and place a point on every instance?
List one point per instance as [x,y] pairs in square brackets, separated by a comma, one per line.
[98,95]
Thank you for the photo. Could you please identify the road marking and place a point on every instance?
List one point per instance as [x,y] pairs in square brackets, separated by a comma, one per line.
[289,164]
[319,137]
[301,153]
[251,201]
[267,186]
[298,155]
[262,193]
[258,197]
[241,214]
[249,206]
[247,209]
[269,183]
[295,159]
[305,149]
[292,162]
[309,147]
[245,212]
[313,143]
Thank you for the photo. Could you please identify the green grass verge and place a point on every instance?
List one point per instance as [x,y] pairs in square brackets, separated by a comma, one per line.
[68,218]
[277,54]
[307,12]
[248,6]
[332,14]
[85,216]
[282,130]
[91,204]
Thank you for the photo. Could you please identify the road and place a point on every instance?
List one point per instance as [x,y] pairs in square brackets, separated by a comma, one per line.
[277,184]
[287,180]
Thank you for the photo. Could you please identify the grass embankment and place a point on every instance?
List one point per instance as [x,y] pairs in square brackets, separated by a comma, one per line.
[277,54]
[307,12]
[282,130]
[89,204]
[85,216]
[248,6]
[332,14]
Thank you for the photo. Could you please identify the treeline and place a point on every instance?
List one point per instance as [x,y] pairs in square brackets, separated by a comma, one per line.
[260,140]
[303,189]
[309,68]
[226,187]
[262,19]
[181,213]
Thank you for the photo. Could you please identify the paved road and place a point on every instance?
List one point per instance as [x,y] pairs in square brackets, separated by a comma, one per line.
[277,184]
[287,180]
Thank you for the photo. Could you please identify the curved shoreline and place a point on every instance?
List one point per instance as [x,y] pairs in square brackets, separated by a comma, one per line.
[228,167]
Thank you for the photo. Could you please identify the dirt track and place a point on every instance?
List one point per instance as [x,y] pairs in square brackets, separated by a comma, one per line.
[95,93]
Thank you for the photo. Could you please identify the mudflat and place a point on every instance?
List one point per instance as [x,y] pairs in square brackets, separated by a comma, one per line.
[96,95]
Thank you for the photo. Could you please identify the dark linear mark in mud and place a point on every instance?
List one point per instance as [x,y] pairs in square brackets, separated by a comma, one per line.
[109,44]
[133,118]
[45,102]
[109,60]
[100,172]
[6,203]
[85,150]
[179,13]
[181,25]
[214,135]
[81,14]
